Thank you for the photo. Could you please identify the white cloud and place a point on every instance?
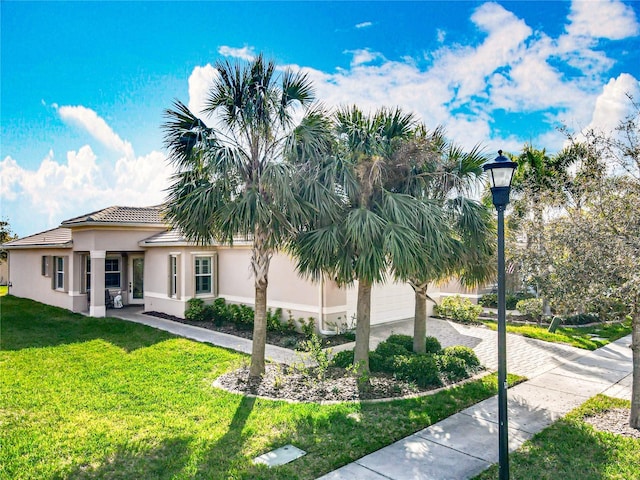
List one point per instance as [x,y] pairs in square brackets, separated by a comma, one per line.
[610,19]
[53,186]
[96,126]
[244,53]
[10,176]
[143,180]
[83,182]
[200,82]
[360,57]
[613,105]
[364,25]
[513,69]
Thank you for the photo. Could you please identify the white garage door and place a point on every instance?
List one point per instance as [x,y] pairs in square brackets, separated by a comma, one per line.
[389,302]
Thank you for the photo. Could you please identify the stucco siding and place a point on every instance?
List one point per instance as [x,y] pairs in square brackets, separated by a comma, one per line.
[111,238]
[27,281]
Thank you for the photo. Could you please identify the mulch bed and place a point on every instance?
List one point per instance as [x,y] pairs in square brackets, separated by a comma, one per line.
[285,340]
[614,421]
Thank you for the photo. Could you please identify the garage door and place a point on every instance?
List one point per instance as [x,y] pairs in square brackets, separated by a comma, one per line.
[389,302]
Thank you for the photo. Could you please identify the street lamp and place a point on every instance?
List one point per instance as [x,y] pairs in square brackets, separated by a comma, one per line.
[500,174]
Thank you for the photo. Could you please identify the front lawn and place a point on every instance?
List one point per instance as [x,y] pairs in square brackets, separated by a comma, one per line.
[572,449]
[83,397]
[589,338]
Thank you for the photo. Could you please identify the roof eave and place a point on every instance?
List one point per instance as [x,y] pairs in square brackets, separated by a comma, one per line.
[39,246]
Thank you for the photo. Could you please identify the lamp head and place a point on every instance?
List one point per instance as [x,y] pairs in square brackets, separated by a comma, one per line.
[500,175]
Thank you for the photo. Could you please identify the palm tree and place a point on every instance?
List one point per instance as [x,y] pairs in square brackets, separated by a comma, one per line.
[234,180]
[373,233]
[445,175]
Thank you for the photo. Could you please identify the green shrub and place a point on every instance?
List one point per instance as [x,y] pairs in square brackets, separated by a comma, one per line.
[581,319]
[220,311]
[452,368]
[489,300]
[404,340]
[432,345]
[343,359]
[512,299]
[380,363]
[420,369]
[530,307]
[309,327]
[465,353]
[241,315]
[275,323]
[387,351]
[195,310]
[458,309]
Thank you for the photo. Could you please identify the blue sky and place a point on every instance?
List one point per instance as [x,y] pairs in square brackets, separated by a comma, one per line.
[84,84]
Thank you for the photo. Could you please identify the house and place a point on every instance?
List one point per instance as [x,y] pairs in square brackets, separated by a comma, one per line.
[132,251]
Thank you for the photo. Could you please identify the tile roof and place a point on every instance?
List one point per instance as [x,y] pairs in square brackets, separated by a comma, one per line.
[120,215]
[57,237]
[169,236]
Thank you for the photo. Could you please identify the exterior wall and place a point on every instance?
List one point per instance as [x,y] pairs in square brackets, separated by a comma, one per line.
[234,282]
[390,301]
[27,282]
[453,288]
[112,239]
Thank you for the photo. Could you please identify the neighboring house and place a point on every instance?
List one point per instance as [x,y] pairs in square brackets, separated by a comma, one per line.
[133,251]
[4,272]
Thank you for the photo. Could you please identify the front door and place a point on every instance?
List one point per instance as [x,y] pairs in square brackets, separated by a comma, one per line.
[136,279]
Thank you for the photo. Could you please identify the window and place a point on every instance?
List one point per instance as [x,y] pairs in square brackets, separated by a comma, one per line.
[87,273]
[59,279]
[45,267]
[112,273]
[204,275]
[173,276]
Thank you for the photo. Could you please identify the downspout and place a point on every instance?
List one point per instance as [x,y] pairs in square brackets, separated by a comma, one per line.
[321,311]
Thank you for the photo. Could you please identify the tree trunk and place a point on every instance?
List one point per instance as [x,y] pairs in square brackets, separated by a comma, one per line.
[260,259]
[420,319]
[634,417]
[363,327]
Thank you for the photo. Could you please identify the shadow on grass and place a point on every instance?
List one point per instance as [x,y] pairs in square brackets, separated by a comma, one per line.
[567,449]
[30,324]
[163,462]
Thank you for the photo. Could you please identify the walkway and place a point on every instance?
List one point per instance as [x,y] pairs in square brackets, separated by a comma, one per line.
[463,445]
[134,314]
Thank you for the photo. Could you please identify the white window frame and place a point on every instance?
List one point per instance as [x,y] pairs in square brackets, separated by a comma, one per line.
[87,273]
[59,273]
[173,276]
[197,275]
[107,272]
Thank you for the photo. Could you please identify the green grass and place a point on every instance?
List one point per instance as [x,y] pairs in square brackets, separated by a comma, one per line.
[577,337]
[95,398]
[571,449]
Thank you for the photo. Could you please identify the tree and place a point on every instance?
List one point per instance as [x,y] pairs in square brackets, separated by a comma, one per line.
[234,180]
[374,233]
[6,235]
[443,174]
[593,245]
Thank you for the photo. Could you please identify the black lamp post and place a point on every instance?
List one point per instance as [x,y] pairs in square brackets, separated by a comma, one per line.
[500,174]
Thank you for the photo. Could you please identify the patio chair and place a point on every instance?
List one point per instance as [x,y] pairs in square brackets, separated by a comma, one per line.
[108,299]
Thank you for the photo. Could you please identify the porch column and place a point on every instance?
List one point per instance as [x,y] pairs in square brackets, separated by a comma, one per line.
[97,307]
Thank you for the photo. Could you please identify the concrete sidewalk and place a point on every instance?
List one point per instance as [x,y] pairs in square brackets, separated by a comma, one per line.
[463,445]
